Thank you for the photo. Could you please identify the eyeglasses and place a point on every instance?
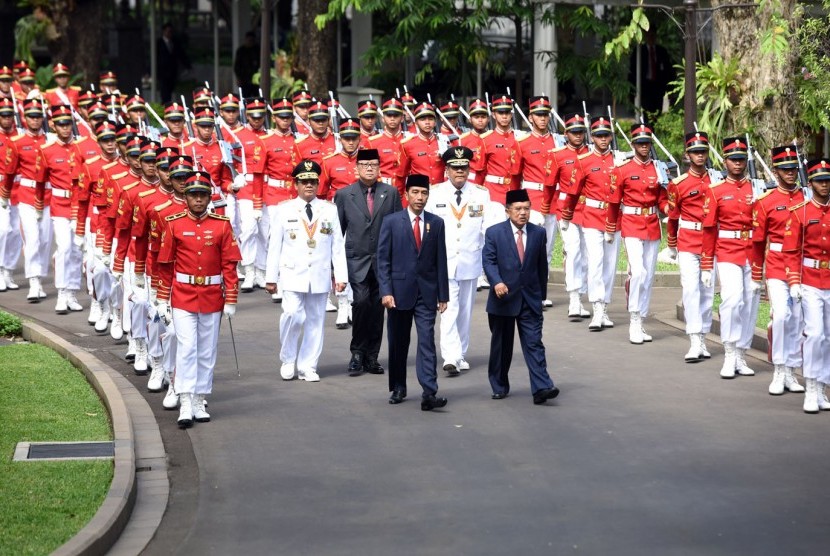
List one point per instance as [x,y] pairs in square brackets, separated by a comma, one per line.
[369,165]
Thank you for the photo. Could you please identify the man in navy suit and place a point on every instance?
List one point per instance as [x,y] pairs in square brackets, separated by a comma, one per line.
[413,283]
[515,260]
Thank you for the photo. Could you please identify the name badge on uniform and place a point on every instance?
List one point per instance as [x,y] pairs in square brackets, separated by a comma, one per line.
[535,152]
[816,221]
[292,220]
[781,207]
[597,169]
[635,177]
[421,154]
[728,197]
[569,162]
[188,233]
[693,193]
[440,206]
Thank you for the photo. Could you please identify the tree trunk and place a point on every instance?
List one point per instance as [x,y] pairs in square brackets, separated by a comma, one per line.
[316,52]
[767,102]
[79,24]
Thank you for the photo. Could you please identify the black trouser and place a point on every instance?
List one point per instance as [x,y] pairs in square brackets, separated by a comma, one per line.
[367,317]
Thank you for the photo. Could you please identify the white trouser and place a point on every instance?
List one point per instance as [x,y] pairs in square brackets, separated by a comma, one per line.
[197,336]
[139,309]
[268,215]
[302,313]
[551,227]
[89,242]
[103,285]
[697,298]
[68,257]
[455,320]
[786,325]
[815,304]
[739,307]
[11,242]
[37,240]
[168,346]
[126,296]
[232,212]
[251,243]
[642,262]
[576,264]
[155,328]
[601,264]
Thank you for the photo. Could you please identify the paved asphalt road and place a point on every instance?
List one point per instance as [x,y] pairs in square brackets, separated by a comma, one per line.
[640,454]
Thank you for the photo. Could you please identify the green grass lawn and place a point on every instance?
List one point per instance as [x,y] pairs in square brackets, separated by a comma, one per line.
[44,398]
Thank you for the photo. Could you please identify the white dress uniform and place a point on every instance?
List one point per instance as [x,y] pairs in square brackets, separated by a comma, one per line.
[464,218]
[301,255]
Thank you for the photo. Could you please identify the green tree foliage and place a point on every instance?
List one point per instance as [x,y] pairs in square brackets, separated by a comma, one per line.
[813,82]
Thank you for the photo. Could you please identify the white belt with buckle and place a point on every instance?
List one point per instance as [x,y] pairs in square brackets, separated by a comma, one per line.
[736,234]
[26,182]
[813,263]
[497,179]
[249,177]
[199,280]
[777,247]
[535,186]
[562,195]
[65,193]
[471,176]
[689,225]
[276,183]
[639,211]
[593,203]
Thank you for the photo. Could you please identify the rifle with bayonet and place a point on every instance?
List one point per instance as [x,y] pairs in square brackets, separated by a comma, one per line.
[715,175]
[663,168]
[224,146]
[243,116]
[187,120]
[619,156]
[758,184]
[587,117]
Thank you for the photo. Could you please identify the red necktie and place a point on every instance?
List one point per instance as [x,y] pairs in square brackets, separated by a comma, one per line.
[520,246]
[417,230]
[370,200]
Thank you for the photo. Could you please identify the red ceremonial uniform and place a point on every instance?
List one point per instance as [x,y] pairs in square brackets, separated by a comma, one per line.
[254,152]
[142,224]
[728,208]
[535,158]
[586,202]
[500,163]
[562,173]
[57,96]
[419,155]
[105,197]
[279,163]
[209,157]
[7,157]
[193,253]
[635,185]
[61,164]
[365,138]
[687,195]
[176,142]
[309,147]
[475,143]
[24,164]
[389,152]
[339,171]
[124,223]
[807,248]
[771,222]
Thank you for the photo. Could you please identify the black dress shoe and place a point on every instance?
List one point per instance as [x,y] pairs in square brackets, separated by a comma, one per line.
[356,365]
[499,395]
[397,396]
[451,369]
[545,394]
[372,366]
[431,402]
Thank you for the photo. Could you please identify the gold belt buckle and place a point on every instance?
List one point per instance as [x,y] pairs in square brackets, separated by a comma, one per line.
[200,280]
[744,234]
[506,181]
[582,199]
[824,264]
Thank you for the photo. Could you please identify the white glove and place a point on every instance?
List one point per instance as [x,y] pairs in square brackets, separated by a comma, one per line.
[673,252]
[609,237]
[78,241]
[706,278]
[117,275]
[39,215]
[238,182]
[795,292]
[257,214]
[755,287]
[164,312]
[4,203]
[139,280]
[230,310]
[106,260]
[73,224]
[564,224]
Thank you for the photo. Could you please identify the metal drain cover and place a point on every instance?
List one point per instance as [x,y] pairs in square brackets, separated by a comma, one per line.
[28,451]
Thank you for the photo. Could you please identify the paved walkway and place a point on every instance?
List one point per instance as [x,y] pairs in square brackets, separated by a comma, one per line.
[641,453]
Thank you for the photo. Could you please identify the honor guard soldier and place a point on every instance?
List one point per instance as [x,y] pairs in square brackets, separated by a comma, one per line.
[202,98]
[229,111]
[421,153]
[86,101]
[500,151]
[28,84]
[6,81]
[207,155]
[320,141]
[563,170]
[479,119]
[450,110]
[807,251]
[687,196]
[302,101]
[197,268]
[108,82]
[635,185]
[461,204]
[585,206]
[367,113]
[340,168]
[772,225]
[410,103]
[63,94]
[136,111]
[33,203]
[388,143]
[306,244]
[175,122]
[10,239]
[18,67]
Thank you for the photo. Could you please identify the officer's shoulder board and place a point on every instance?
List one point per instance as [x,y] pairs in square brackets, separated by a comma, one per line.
[176,216]
[110,165]
[163,206]
[410,138]
[483,188]
[332,155]
[75,88]
[623,163]
[146,193]
[301,138]
[486,133]
[584,155]
[799,205]
[560,149]
[18,137]
[130,185]
[189,142]
[715,184]
[680,178]
[765,194]
[520,136]
[119,176]
[52,90]
[218,216]
[375,137]
[92,160]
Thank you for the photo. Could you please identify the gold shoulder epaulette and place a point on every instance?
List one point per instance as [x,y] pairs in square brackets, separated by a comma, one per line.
[715,184]
[189,142]
[559,149]
[163,206]
[176,216]
[218,216]
[119,176]
[373,137]
[486,133]
[74,87]
[130,185]
[410,138]
[584,155]
[799,205]
[146,193]
[482,188]
[110,164]
[330,156]
[680,178]
[765,194]
[18,137]
[301,138]
[95,158]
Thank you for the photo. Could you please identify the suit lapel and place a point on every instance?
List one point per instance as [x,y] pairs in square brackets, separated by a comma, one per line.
[360,200]
[410,231]
[381,195]
[511,238]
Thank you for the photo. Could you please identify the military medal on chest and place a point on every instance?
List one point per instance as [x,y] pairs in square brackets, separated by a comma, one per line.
[310,229]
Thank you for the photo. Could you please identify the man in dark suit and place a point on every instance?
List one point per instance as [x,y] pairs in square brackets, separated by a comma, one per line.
[171,60]
[515,260]
[412,273]
[361,208]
